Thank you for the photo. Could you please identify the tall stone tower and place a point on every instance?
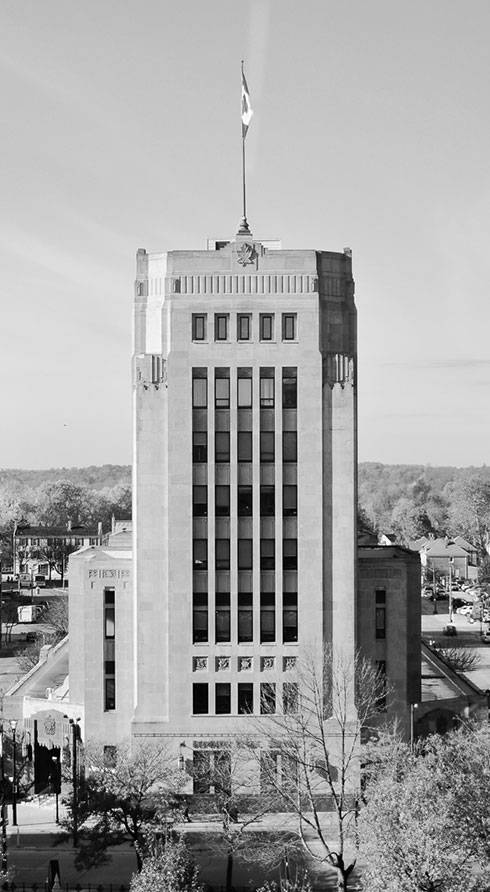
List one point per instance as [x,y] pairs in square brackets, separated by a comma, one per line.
[244,486]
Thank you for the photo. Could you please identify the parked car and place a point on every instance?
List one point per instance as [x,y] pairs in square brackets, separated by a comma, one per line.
[485,638]
[466,610]
[450,630]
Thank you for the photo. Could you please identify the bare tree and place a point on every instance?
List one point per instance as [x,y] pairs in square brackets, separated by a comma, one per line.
[309,755]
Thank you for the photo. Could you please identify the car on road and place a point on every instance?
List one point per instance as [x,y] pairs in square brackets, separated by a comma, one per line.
[485,638]
[466,610]
[450,630]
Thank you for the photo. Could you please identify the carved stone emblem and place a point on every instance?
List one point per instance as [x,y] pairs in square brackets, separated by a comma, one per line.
[245,254]
[289,663]
[222,664]
[267,663]
[200,664]
[50,726]
[244,663]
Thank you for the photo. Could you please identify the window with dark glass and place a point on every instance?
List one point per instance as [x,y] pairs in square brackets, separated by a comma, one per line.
[267,388]
[289,617]
[222,446]
[244,444]
[245,698]
[267,617]
[290,697]
[222,389]
[266,322]
[198,327]
[289,446]
[200,699]
[380,613]
[222,554]
[289,500]
[245,554]
[245,616]
[199,393]
[199,617]
[289,326]
[290,554]
[267,698]
[267,446]
[245,501]
[199,446]
[289,388]
[267,554]
[244,326]
[222,616]
[267,501]
[201,769]
[109,649]
[200,554]
[222,501]
[221,327]
[244,388]
[223,698]
[199,501]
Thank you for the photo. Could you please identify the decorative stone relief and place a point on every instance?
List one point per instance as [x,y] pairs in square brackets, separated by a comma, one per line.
[246,254]
[222,664]
[289,663]
[244,663]
[268,663]
[200,664]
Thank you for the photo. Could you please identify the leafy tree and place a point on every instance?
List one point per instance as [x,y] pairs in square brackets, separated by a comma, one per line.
[469,514]
[124,800]
[61,501]
[310,755]
[56,616]
[168,867]
[409,520]
[424,827]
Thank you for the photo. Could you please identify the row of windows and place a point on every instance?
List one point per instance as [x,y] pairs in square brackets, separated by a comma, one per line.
[267,503]
[211,769]
[244,700]
[109,649]
[244,618]
[267,446]
[244,387]
[245,554]
[244,327]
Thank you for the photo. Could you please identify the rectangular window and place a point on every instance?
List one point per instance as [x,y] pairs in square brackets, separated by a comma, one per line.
[289,617]
[289,500]
[199,393]
[245,617]
[267,698]
[109,649]
[380,613]
[200,699]
[267,617]
[199,446]
[221,327]
[245,554]
[267,388]
[245,698]
[290,554]
[223,698]
[244,326]
[222,389]
[110,693]
[222,554]
[200,554]
[290,697]
[266,322]
[222,446]
[244,390]
[244,446]
[289,388]
[267,446]
[222,501]
[199,501]
[201,769]
[198,327]
[289,446]
[222,616]
[267,554]
[289,326]
[267,501]
[199,617]
[245,501]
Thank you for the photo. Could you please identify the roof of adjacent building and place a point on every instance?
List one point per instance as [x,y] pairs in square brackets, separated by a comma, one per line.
[41,532]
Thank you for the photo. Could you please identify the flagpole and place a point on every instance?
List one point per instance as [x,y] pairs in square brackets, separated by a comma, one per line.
[243,179]
[246,114]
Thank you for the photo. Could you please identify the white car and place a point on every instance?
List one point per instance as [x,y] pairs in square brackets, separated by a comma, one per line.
[467,610]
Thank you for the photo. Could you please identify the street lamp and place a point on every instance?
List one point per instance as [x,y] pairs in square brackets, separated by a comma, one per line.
[56,774]
[413,707]
[13,725]
[4,809]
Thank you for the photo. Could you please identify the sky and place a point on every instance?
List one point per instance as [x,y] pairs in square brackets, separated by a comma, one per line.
[121,130]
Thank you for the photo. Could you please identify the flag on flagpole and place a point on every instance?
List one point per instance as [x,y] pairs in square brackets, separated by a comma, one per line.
[247,110]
